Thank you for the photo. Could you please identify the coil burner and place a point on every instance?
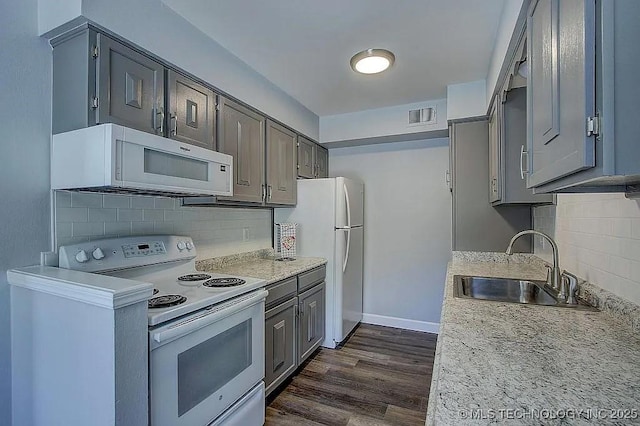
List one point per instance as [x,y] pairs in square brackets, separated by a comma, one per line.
[166,301]
[223,282]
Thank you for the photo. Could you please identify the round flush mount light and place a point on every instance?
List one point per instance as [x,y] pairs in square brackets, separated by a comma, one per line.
[372,61]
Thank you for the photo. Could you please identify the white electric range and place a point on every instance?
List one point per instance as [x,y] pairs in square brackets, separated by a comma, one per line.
[206,330]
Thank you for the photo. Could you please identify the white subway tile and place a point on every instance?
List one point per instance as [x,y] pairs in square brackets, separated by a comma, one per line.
[142,202]
[152,215]
[635,228]
[63,229]
[163,227]
[63,199]
[103,215]
[87,229]
[86,199]
[620,266]
[129,215]
[116,201]
[172,215]
[72,214]
[117,228]
[67,241]
[142,228]
[165,203]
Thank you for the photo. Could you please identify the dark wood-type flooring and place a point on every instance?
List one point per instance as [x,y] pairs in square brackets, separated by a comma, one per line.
[381,376]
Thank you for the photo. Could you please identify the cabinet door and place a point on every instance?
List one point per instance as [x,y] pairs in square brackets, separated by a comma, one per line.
[322,162]
[306,158]
[280,343]
[130,87]
[281,165]
[561,88]
[494,152]
[311,315]
[192,111]
[241,135]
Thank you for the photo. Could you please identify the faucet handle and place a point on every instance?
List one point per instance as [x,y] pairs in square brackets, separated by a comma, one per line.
[549,273]
[570,281]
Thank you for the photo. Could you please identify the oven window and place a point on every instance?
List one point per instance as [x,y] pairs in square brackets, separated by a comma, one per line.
[207,367]
[161,163]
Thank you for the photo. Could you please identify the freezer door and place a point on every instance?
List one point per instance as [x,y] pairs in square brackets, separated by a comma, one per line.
[348,289]
[349,203]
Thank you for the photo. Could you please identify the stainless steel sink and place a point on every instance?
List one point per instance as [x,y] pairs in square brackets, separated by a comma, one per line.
[508,290]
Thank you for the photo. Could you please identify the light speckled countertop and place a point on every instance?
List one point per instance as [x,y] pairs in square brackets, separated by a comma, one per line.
[260,264]
[504,356]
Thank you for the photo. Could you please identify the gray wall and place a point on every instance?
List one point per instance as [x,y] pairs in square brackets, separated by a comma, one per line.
[407,228]
[25,120]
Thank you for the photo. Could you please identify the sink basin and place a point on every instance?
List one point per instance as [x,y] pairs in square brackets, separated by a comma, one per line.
[508,290]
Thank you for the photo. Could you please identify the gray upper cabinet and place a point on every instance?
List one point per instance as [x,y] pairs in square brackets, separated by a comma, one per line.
[99,80]
[192,111]
[507,145]
[130,87]
[281,165]
[322,162]
[306,158]
[241,135]
[582,103]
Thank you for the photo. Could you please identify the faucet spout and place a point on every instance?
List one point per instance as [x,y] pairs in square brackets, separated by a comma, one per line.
[554,277]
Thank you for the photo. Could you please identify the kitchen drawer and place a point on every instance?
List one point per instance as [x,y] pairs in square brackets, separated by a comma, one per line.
[310,278]
[281,290]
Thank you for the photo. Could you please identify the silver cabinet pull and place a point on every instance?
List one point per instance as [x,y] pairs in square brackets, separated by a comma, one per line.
[174,123]
[269,192]
[160,112]
[264,192]
[523,154]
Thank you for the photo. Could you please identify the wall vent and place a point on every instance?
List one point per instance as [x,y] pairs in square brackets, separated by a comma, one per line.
[422,116]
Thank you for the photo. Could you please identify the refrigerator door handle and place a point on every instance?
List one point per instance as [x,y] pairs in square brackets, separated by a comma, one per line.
[346,253]
[346,199]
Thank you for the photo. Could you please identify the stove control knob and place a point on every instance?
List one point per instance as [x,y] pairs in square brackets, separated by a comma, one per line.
[82,257]
[189,245]
[181,245]
[98,254]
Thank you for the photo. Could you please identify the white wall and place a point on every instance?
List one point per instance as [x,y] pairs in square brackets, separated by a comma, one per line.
[380,122]
[155,27]
[508,19]
[216,231]
[407,228]
[25,120]
[466,100]
[598,237]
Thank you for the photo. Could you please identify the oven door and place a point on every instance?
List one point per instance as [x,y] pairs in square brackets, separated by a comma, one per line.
[203,363]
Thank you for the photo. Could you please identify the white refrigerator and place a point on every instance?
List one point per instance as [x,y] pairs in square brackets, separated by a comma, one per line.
[330,218]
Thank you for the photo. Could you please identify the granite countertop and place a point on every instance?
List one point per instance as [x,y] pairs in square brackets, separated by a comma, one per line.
[262,264]
[525,360]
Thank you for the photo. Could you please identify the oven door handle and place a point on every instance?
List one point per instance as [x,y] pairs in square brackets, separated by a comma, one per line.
[209,316]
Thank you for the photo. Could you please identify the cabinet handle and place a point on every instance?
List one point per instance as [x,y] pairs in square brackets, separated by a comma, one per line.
[447,178]
[160,112]
[174,123]
[264,192]
[523,153]
[269,192]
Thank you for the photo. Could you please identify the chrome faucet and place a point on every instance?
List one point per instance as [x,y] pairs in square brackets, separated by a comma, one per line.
[553,276]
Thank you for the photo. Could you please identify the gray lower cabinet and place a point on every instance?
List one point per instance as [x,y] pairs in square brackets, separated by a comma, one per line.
[472,213]
[192,111]
[313,160]
[241,135]
[294,324]
[99,80]
[507,146]
[583,95]
[311,315]
[280,343]
[281,149]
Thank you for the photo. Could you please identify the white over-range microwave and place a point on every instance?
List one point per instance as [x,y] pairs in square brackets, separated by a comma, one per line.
[113,158]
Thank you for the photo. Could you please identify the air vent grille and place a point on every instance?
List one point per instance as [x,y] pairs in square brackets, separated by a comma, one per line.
[422,116]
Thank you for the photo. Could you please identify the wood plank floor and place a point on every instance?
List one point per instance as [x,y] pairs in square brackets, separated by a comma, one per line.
[381,376]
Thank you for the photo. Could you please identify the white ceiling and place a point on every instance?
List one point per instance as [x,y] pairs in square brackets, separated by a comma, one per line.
[304,46]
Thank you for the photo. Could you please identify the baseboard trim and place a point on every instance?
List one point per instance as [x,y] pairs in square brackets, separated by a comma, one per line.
[407,324]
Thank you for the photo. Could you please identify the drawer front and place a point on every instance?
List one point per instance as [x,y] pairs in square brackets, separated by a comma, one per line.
[280,291]
[280,343]
[310,278]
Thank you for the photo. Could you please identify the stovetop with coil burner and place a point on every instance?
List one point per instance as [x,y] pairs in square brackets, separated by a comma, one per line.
[167,262]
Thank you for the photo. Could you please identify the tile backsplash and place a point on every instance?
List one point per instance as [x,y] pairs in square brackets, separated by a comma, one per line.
[598,238]
[216,231]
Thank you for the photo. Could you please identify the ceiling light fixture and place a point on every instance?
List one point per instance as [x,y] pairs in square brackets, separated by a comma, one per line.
[372,61]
